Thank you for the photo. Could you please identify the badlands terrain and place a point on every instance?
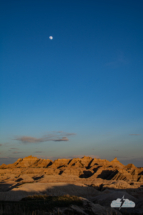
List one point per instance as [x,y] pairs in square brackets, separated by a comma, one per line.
[94,183]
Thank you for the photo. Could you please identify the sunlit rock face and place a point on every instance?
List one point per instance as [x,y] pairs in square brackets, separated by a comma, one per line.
[84,168]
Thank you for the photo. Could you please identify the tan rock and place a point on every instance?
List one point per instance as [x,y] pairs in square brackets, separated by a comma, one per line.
[3,166]
[115,162]
[59,163]
[44,163]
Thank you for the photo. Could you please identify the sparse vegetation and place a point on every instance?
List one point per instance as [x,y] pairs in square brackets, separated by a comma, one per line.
[46,205]
[54,201]
[38,205]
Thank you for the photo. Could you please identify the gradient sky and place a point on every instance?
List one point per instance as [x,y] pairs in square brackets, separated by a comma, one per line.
[78,94]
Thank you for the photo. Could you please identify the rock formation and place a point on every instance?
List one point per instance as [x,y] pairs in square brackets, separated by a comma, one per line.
[98,180]
[85,167]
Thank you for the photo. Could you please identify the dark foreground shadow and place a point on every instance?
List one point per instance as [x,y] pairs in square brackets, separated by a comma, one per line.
[66,195]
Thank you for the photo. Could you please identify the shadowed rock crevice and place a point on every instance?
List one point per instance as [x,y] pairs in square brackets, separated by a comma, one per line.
[107,174]
[50,163]
[86,174]
[61,166]
[60,172]
[141,173]
[19,179]
[88,167]
[38,177]
[95,169]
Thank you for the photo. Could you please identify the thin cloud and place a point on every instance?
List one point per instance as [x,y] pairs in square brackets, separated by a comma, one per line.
[62,139]
[26,139]
[0,144]
[55,136]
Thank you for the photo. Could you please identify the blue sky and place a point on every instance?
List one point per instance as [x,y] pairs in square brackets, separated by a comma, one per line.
[78,94]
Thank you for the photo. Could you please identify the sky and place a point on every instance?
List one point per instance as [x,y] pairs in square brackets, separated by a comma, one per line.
[71,79]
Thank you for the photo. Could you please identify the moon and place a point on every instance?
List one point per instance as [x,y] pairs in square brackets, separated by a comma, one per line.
[51,37]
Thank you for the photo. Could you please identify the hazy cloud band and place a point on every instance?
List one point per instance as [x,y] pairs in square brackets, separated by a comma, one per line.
[57,136]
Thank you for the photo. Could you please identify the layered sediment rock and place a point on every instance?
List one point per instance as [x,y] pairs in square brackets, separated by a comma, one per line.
[85,167]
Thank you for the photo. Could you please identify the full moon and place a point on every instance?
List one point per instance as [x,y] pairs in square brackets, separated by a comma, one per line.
[50,37]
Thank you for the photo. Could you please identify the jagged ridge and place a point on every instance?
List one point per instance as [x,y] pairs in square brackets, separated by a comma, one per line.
[85,167]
